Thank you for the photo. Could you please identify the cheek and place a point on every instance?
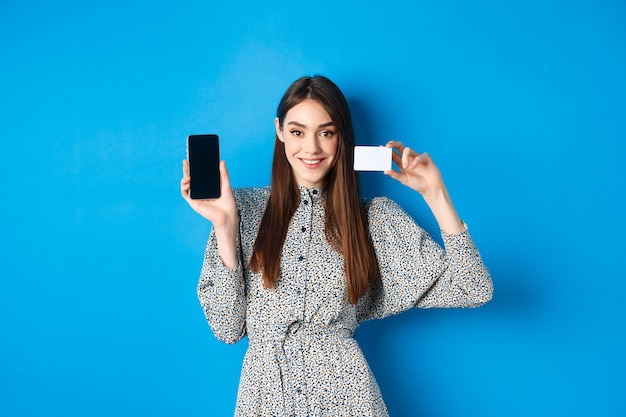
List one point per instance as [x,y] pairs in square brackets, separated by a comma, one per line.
[289,148]
[332,148]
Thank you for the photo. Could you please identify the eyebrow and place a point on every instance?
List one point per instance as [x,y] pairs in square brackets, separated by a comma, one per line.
[302,125]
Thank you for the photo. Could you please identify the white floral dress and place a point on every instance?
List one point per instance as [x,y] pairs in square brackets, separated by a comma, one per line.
[302,359]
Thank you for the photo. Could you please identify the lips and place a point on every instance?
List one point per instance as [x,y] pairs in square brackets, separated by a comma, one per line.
[312,163]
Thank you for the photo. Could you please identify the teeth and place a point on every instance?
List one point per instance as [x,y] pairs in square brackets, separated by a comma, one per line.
[311,161]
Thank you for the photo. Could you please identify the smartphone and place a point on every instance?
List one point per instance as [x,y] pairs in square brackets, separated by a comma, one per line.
[203,154]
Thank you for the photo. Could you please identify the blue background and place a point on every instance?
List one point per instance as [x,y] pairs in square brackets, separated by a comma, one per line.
[521,104]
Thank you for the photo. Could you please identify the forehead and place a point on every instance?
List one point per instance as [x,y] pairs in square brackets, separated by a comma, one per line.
[310,111]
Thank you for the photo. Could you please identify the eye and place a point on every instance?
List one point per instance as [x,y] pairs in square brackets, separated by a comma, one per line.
[296,132]
[327,133]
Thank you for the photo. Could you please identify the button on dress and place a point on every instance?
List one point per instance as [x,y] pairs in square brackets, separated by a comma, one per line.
[302,358]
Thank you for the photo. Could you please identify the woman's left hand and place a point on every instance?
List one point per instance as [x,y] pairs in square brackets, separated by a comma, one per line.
[417,171]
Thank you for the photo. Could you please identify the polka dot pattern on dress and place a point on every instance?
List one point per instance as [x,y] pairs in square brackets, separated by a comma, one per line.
[302,358]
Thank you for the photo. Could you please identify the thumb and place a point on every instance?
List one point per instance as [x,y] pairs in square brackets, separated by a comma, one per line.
[224,175]
[393,174]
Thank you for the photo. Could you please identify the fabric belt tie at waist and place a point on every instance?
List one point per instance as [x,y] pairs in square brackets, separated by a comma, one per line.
[301,330]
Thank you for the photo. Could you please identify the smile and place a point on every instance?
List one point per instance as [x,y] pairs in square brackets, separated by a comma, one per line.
[312,163]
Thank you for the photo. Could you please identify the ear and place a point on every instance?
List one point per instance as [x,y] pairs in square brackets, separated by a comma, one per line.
[279,130]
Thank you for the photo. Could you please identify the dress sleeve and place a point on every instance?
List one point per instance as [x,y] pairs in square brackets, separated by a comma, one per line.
[221,292]
[415,271]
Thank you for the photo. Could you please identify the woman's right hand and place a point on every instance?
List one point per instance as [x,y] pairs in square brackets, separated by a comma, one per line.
[222,212]
[219,211]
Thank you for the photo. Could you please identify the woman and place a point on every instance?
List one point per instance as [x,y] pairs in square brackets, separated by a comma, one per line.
[299,265]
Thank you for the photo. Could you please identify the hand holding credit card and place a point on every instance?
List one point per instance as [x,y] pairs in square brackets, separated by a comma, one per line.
[372,158]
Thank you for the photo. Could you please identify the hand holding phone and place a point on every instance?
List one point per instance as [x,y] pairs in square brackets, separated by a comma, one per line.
[204,175]
[203,154]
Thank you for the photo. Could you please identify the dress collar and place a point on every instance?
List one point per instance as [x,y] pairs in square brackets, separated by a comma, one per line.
[314,194]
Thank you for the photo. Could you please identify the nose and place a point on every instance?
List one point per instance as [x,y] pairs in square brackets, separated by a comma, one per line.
[311,144]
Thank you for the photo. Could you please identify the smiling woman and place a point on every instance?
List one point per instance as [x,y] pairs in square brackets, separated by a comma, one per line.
[310,141]
[299,265]
[520,104]
[318,102]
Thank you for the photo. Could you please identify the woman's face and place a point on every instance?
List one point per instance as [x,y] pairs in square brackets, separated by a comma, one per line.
[310,139]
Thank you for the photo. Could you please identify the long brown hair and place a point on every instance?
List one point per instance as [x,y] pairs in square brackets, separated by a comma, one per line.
[346,222]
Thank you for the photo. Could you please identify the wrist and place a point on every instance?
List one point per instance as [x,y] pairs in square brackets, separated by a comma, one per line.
[437,197]
[226,235]
[227,229]
[442,208]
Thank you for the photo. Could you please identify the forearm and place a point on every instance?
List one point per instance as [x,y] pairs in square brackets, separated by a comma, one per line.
[222,295]
[442,208]
[227,244]
[465,282]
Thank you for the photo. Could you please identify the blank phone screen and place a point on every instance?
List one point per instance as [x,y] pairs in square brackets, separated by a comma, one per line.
[203,153]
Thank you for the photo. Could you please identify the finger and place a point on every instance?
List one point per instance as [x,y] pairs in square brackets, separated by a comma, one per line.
[419,159]
[393,174]
[184,187]
[395,145]
[423,159]
[397,159]
[185,168]
[406,157]
[224,176]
